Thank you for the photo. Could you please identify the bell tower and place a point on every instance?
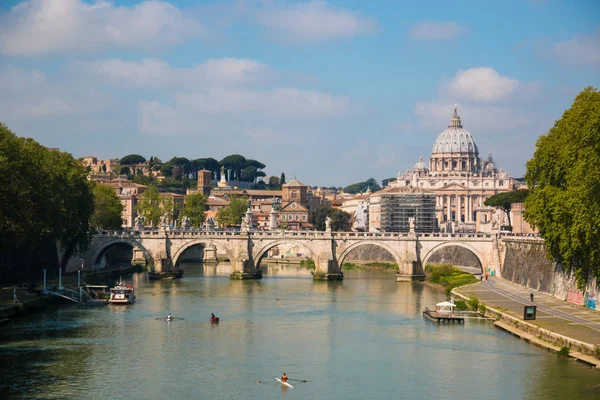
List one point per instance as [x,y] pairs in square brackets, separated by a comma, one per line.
[204,185]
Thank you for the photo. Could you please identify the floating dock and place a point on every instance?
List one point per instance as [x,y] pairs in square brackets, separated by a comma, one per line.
[444,316]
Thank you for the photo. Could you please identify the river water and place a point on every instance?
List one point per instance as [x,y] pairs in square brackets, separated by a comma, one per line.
[363,338]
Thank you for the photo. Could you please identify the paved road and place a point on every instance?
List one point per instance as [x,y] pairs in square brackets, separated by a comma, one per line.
[553,314]
[517,295]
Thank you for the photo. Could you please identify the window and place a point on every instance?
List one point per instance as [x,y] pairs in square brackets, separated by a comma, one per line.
[297,217]
[501,183]
[290,217]
[283,217]
[294,194]
[304,217]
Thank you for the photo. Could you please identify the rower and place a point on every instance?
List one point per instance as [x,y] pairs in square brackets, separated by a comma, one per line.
[212,316]
[169,317]
[284,377]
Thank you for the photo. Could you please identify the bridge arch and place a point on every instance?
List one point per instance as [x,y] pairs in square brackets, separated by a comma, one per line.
[258,255]
[441,246]
[342,256]
[104,245]
[200,242]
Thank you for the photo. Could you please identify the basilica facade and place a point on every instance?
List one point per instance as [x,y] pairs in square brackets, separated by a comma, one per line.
[460,179]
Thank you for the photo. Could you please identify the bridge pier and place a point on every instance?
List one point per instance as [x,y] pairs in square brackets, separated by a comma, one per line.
[410,269]
[210,255]
[245,269]
[327,270]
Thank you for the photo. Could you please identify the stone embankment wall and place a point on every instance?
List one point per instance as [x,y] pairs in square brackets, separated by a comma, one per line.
[526,264]
[455,255]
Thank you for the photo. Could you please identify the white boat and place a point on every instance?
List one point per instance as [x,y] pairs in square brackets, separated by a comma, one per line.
[284,383]
[122,294]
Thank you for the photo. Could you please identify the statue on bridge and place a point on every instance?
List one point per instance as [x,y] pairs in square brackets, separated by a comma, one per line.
[139,221]
[411,224]
[328,224]
[185,222]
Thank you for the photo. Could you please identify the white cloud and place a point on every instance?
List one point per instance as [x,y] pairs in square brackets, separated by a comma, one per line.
[29,94]
[313,21]
[156,73]
[434,30]
[281,102]
[480,84]
[38,27]
[580,50]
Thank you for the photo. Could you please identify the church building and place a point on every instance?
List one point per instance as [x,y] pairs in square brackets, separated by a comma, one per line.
[460,180]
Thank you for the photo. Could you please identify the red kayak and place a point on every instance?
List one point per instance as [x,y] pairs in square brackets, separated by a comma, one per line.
[214,320]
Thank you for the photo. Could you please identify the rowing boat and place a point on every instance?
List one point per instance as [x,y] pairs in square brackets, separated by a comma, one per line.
[283,383]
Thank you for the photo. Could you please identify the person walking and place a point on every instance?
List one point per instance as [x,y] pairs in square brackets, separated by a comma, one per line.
[531,296]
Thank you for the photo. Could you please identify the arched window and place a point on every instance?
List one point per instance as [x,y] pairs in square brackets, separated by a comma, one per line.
[297,217]
[304,216]
[283,217]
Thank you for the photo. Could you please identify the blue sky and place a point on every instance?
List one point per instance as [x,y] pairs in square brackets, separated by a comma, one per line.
[334,92]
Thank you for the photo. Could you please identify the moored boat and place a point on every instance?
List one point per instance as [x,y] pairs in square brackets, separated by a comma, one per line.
[166,275]
[122,294]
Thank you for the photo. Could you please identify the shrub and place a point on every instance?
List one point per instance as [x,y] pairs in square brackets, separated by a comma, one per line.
[318,275]
[564,351]
[308,263]
[460,305]
[473,303]
[597,352]
[482,308]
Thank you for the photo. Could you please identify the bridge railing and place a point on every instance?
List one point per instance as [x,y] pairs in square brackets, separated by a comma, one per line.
[296,234]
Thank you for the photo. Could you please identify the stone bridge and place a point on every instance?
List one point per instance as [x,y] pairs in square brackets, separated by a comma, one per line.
[163,249]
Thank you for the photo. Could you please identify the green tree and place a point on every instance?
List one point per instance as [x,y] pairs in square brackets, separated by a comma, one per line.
[273,181]
[564,181]
[341,221]
[234,163]
[361,187]
[234,212]
[386,181]
[194,209]
[132,159]
[45,195]
[107,209]
[504,201]
[167,206]
[150,206]
[209,164]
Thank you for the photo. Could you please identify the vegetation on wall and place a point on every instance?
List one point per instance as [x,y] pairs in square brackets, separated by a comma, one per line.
[564,181]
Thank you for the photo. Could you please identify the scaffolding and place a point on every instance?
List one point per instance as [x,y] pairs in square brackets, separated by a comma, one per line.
[397,208]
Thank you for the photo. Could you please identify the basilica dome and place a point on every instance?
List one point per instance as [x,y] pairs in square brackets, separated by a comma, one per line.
[455,139]
[455,149]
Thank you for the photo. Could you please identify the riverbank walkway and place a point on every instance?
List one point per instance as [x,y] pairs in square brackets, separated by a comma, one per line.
[553,314]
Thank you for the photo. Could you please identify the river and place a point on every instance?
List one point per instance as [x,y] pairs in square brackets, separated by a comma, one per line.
[362,338]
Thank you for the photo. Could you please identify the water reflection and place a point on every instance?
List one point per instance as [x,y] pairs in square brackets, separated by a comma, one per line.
[365,334]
